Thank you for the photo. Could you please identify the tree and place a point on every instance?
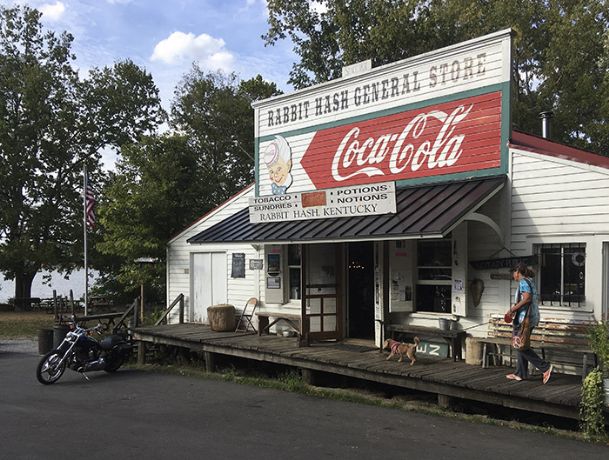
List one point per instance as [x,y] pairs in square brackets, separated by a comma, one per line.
[51,123]
[561,49]
[214,111]
[165,182]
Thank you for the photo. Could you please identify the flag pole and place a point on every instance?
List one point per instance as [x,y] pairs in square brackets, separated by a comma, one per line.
[84,226]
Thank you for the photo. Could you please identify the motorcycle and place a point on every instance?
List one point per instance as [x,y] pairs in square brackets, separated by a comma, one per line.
[82,353]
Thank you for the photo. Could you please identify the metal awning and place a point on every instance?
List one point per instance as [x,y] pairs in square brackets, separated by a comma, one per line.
[428,211]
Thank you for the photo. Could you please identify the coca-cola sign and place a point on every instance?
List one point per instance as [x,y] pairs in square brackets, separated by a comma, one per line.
[458,136]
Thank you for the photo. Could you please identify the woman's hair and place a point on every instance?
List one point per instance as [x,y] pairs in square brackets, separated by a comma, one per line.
[524,270]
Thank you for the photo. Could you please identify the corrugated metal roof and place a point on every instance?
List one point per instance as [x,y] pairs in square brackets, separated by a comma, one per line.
[423,211]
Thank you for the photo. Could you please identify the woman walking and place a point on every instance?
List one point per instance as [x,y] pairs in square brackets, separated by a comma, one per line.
[526,304]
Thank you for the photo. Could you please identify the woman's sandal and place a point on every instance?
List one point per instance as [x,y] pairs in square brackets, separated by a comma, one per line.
[513,377]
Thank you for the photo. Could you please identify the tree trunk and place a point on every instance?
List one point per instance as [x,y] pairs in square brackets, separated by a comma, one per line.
[23,290]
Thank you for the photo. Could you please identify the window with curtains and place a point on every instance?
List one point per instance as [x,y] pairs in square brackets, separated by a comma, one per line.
[561,276]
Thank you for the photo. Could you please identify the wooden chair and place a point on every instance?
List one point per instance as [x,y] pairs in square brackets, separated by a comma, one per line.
[245,319]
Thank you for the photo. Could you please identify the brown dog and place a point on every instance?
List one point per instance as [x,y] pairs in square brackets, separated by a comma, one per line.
[401,349]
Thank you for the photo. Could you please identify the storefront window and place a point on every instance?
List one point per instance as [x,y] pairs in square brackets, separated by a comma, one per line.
[562,274]
[434,276]
[294,252]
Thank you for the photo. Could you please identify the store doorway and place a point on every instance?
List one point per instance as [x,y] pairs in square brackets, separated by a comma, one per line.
[360,268]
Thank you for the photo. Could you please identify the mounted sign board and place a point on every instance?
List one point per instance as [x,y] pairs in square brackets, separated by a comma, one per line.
[438,116]
[506,262]
[338,202]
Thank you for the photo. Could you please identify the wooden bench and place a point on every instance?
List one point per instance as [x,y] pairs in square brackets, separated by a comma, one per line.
[453,337]
[264,325]
[567,343]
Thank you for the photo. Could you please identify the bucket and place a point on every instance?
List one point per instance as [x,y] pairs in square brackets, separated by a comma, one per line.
[473,351]
[444,324]
[45,340]
[59,332]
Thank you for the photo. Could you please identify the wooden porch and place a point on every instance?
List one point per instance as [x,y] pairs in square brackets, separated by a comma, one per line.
[448,379]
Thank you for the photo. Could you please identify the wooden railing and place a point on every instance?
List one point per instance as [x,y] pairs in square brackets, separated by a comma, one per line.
[178,300]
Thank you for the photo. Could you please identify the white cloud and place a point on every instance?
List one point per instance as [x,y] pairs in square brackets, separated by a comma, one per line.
[52,12]
[210,52]
[118,2]
[319,8]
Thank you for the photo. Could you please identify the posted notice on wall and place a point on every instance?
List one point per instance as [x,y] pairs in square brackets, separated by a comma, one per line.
[362,200]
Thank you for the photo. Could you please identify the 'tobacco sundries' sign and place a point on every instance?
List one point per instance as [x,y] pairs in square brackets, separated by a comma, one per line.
[321,204]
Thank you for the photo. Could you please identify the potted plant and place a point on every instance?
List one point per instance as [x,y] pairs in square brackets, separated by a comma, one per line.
[599,342]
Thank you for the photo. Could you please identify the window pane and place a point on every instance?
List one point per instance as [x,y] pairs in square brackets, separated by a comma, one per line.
[434,253]
[549,290]
[435,274]
[295,283]
[575,272]
[433,298]
[294,254]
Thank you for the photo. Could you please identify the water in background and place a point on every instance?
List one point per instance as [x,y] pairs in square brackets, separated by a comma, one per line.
[76,282]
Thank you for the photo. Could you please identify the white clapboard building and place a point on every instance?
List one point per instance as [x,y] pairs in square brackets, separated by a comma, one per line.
[401,195]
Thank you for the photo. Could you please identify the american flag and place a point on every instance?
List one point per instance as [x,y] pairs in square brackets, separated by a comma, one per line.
[90,206]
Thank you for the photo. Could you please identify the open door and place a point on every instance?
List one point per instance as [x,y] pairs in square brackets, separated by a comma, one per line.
[322,315]
[360,281]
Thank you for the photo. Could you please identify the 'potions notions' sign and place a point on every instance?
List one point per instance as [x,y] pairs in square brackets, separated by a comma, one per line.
[322,204]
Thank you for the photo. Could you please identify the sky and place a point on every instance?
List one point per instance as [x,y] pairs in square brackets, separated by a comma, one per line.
[166,37]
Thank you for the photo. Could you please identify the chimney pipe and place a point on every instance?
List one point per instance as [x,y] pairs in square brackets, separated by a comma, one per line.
[545,123]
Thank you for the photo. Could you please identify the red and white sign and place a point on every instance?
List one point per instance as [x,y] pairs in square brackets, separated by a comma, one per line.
[457,136]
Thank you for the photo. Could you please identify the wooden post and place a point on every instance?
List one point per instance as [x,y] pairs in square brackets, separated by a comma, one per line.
[444,401]
[141,353]
[210,364]
[72,302]
[142,303]
[55,313]
[309,376]
[181,308]
[135,322]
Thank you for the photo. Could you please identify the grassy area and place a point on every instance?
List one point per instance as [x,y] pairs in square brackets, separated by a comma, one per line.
[23,325]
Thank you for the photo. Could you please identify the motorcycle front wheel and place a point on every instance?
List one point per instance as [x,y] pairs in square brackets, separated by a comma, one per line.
[48,370]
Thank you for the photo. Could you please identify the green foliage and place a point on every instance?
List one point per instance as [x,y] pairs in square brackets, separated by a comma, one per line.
[591,406]
[598,336]
[51,123]
[560,54]
[165,182]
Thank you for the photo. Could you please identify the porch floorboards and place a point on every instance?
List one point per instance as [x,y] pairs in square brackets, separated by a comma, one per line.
[560,397]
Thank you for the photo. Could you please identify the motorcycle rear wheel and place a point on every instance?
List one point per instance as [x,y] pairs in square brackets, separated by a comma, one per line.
[47,371]
[114,364]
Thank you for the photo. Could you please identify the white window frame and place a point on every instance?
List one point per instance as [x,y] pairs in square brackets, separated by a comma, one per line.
[560,304]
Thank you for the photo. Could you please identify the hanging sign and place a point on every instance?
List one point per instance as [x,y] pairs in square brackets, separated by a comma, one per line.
[507,262]
[322,204]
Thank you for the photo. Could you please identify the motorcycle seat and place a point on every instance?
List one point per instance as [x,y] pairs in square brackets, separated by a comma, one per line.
[108,342]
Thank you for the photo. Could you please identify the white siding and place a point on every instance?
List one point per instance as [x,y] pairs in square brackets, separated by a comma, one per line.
[484,244]
[556,200]
[179,254]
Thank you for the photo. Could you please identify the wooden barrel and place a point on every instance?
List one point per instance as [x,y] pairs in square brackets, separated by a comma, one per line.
[473,351]
[221,317]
